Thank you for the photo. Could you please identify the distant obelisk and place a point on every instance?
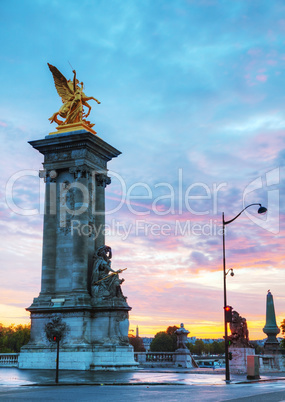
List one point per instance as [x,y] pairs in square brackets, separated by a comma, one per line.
[271,344]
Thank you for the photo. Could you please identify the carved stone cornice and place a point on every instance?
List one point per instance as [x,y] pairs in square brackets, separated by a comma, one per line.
[79,141]
[49,313]
[71,156]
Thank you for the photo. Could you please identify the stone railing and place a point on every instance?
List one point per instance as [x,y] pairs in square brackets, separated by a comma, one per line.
[272,363]
[9,359]
[155,357]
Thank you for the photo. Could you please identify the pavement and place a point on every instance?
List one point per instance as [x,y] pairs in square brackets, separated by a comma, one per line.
[140,385]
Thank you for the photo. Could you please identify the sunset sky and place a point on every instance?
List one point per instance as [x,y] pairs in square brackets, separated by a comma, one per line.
[193,95]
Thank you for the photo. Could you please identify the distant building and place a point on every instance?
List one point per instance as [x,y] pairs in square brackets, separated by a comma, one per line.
[207,340]
[260,342]
[147,342]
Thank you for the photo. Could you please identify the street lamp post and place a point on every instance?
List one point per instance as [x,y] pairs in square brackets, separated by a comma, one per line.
[261,210]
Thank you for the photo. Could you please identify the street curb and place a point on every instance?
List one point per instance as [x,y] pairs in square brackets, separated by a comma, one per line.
[99,384]
[261,380]
[148,383]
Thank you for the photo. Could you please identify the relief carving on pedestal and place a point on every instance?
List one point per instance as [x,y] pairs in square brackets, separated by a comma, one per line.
[75,155]
[121,328]
[58,156]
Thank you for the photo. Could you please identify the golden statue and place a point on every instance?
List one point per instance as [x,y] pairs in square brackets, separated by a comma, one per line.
[73,99]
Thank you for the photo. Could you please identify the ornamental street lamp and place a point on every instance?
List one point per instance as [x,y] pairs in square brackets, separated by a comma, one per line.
[261,210]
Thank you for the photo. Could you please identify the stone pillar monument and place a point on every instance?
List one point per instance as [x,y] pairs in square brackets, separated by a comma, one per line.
[271,344]
[183,357]
[78,283]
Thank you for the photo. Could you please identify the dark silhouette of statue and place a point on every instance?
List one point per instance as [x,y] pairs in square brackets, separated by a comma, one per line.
[239,332]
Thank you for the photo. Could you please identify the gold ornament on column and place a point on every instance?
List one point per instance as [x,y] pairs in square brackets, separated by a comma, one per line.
[74,101]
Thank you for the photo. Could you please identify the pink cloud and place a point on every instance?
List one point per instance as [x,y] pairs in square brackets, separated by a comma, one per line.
[254,51]
[259,146]
[272,62]
[262,77]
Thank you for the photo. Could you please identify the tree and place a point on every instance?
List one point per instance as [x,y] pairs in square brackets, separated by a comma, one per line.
[162,342]
[217,348]
[191,347]
[13,338]
[207,348]
[165,341]
[257,348]
[214,348]
[199,347]
[171,331]
[137,343]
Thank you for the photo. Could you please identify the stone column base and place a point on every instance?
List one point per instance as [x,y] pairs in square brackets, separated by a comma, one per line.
[238,364]
[80,358]
[183,358]
[95,339]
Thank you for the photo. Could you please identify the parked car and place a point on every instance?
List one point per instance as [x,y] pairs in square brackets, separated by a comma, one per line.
[209,364]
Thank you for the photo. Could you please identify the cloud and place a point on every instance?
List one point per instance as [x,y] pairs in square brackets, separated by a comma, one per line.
[199,258]
[262,77]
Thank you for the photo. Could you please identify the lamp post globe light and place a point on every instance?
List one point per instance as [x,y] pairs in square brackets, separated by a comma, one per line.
[228,309]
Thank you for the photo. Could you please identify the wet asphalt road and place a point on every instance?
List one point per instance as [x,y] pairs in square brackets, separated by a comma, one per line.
[145,385]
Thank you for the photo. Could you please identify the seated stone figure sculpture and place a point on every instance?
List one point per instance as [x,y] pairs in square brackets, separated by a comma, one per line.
[105,281]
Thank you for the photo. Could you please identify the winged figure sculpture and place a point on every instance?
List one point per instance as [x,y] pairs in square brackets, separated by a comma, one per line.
[73,98]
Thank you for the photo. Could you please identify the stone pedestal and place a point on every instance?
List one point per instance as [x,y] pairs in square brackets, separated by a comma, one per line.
[184,359]
[75,172]
[238,364]
[272,363]
[271,347]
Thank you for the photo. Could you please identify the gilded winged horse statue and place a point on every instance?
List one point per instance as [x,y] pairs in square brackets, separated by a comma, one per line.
[73,98]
